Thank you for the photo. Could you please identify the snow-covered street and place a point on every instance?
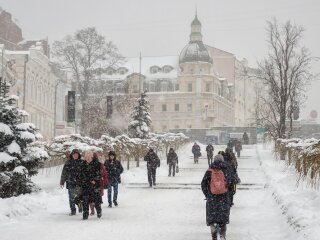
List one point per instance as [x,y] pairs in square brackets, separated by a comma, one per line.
[174,209]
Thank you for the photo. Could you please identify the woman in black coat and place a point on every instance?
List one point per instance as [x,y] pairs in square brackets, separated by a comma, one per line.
[218,206]
[90,183]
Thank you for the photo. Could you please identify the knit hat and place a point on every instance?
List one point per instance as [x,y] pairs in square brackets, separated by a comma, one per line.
[112,153]
[218,157]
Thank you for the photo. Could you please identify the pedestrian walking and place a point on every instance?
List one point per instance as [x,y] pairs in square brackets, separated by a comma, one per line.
[196,150]
[214,186]
[114,171]
[153,162]
[210,150]
[238,147]
[232,165]
[103,182]
[172,161]
[71,176]
[90,183]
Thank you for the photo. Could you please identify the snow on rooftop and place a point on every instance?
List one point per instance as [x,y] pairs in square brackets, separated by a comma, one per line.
[132,64]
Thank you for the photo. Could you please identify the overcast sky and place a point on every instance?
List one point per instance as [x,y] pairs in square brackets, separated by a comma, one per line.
[162,27]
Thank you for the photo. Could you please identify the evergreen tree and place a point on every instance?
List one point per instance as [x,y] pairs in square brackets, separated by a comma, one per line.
[139,127]
[20,153]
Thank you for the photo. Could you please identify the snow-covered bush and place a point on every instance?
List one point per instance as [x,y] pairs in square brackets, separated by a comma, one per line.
[20,154]
[304,155]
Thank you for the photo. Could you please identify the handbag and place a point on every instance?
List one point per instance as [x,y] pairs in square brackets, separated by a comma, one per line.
[177,169]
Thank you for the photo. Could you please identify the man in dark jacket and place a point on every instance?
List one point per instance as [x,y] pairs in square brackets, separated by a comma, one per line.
[172,161]
[218,206]
[232,165]
[90,183]
[114,170]
[196,150]
[71,176]
[210,150]
[153,162]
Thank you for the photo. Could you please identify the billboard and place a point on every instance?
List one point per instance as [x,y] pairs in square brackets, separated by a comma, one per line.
[71,106]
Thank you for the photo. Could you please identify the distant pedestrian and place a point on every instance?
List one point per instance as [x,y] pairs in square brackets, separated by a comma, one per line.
[90,179]
[172,161]
[114,170]
[71,176]
[215,188]
[245,138]
[196,150]
[210,150]
[153,162]
[238,147]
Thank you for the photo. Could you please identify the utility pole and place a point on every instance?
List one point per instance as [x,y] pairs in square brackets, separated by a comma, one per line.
[140,87]
[2,60]
[26,59]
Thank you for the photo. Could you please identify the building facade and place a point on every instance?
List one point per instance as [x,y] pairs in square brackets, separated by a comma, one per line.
[10,34]
[35,87]
[200,88]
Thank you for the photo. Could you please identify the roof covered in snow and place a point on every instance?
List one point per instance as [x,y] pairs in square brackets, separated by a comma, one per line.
[151,67]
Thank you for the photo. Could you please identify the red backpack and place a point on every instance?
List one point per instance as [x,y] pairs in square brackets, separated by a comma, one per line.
[218,184]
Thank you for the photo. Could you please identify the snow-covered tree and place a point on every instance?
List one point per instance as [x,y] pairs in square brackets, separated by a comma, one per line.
[139,127]
[20,153]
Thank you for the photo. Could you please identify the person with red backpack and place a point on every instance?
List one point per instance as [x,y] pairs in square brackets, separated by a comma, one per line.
[214,186]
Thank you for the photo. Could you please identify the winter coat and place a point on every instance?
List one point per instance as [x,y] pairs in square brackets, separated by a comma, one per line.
[238,146]
[91,172]
[218,206]
[172,158]
[71,173]
[114,170]
[196,150]
[231,169]
[103,179]
[152,160]
[210,150]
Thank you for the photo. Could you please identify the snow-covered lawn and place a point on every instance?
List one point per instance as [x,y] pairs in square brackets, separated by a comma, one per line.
[174,209]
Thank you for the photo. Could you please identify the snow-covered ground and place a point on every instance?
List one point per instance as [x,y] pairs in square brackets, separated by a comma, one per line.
[298,201]
[174,209]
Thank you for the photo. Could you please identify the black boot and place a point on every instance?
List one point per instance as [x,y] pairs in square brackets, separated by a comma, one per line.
[115,203]
[223,232]
[214,232]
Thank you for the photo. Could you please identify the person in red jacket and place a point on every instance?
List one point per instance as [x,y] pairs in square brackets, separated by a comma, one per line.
[103,182]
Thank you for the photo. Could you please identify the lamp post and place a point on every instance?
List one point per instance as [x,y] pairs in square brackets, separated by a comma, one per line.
[55,107]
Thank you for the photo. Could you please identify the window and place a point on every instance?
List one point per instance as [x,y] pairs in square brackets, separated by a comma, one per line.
[167,69]
[189,126]
[135,88]
[164,107]
[176,107]
[154,69]
[151,87]
[189,107]
[164,87]
[164,128]
[208,87]
[176,126]
[189,87]
[177,87]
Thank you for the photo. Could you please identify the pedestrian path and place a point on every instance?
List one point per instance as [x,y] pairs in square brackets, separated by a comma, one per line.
[173,210]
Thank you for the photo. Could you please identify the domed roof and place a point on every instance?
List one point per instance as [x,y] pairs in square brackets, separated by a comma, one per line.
[195,52]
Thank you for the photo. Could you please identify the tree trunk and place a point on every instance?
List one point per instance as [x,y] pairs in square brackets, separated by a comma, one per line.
[128,163]
[137,161]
